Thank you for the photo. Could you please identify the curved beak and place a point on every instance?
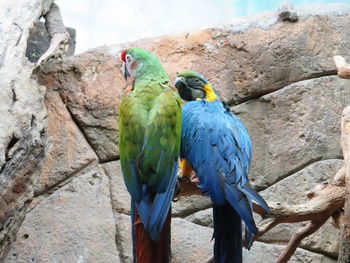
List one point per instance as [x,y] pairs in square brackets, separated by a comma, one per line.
[184,92]
[125,71]
[180,83]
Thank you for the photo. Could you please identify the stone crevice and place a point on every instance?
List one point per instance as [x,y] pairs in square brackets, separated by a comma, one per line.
[266,92]
[119,245]
[14,96]
[50,190]
[299,168]
[79,126]
[118,234]
[316,251]
[112,159]
[10,145]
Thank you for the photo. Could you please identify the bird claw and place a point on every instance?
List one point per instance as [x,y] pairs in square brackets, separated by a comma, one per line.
[192,178]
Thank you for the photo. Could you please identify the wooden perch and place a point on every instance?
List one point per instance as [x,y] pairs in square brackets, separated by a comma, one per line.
[342,66]
[59,35]
[295,240]
[325,201]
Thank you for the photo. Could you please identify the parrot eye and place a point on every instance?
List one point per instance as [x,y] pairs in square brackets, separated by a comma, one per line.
[128,57]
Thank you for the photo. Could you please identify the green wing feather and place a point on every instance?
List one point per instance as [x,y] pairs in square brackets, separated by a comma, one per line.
[130,122]
[150,131]
[161,146]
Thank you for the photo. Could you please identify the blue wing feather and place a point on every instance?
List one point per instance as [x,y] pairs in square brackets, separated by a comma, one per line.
[153,214]
[161,205]
[219,148]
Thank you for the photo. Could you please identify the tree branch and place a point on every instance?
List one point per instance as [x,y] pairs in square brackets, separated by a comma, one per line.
[295,240]
[58,34]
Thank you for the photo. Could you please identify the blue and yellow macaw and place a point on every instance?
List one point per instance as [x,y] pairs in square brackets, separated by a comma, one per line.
[217,146]
[149,142]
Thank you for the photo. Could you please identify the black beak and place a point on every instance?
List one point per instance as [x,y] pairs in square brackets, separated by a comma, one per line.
[184,92]
[178,82]
[125,71]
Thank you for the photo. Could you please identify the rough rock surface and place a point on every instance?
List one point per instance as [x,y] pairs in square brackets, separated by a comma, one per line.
[287,12]
[69,152]
[74,224]
[190,204]
[123,237]
[294,126]
[91,91]
[81,207]
[23,116]
[190,242]
[186,247]
[120,196]
[203,217]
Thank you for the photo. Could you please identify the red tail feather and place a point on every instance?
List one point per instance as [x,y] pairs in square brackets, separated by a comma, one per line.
[148,250]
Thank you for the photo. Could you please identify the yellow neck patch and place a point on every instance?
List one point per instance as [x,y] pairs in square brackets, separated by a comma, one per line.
[209,92]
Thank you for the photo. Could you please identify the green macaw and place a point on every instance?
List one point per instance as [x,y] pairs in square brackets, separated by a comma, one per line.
[149,142]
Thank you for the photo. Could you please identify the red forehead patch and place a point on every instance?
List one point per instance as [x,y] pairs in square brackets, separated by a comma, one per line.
[123,55]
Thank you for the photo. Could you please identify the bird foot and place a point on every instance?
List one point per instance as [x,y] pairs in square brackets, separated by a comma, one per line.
[192,178]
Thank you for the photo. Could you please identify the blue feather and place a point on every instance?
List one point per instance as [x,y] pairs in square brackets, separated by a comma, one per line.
[161,206]
[219,148]
[144,207]
[252,194]
[240,203]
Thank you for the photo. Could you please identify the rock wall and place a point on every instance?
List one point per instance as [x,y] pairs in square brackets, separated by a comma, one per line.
[23,116]
[279,77]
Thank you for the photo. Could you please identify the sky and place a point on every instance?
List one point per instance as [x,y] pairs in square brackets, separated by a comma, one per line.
[101,22]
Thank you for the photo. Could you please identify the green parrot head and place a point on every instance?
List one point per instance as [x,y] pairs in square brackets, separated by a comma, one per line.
[139,63]
[193,86]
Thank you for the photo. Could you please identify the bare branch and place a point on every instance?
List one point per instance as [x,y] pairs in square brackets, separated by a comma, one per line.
[295,240]
[58,34]
[325,201]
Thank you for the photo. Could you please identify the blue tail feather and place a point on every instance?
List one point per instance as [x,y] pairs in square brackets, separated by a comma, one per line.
[160,207]
[144,210]
[252,194]
[154,211]
[241,205]
[249,236]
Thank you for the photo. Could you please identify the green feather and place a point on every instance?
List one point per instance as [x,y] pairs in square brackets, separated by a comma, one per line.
[149,127]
